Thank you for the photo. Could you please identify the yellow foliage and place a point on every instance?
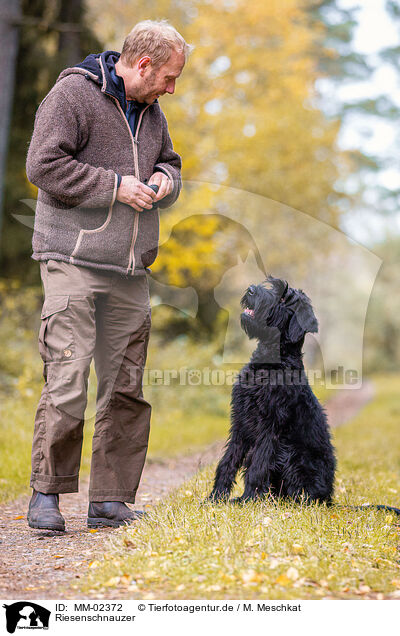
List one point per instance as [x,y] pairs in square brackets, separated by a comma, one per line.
[245,115]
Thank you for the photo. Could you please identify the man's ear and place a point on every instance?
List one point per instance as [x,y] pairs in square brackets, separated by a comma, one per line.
[143,64]
[303,320]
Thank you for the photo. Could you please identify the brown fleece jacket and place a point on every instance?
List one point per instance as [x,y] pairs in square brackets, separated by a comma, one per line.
[81,141]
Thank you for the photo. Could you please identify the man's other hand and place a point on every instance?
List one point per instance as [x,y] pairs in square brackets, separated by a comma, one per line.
[136,194]
[164,184]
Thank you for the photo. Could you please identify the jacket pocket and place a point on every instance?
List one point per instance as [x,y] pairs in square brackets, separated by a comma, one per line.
[56,341]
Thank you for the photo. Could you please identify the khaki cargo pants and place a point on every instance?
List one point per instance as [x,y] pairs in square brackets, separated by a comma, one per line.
[89,314]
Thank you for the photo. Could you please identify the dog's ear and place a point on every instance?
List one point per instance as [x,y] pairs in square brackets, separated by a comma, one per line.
[303,320]
[277,284]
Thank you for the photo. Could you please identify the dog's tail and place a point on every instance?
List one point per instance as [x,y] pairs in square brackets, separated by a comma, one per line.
[396,511]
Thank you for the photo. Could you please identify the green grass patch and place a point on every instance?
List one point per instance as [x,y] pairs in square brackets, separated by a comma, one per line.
[267,550]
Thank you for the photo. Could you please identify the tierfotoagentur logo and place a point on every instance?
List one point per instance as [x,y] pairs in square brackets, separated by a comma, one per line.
[26,615]
[253,236]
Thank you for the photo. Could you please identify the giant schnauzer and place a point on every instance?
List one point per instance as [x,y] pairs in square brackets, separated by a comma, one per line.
[279,434]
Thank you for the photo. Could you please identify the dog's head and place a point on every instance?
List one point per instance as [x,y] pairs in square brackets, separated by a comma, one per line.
[274,305]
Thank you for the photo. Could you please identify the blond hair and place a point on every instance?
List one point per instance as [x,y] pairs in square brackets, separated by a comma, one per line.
[155,39]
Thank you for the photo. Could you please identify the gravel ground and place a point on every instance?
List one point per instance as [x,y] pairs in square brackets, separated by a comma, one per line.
[41,564]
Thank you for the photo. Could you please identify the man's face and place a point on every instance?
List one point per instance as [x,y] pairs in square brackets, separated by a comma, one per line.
[155,82]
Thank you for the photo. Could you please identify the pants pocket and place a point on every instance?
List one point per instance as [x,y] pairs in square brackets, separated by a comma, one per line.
[56,341]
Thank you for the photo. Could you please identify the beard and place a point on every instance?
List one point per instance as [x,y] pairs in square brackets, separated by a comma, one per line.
[150,92]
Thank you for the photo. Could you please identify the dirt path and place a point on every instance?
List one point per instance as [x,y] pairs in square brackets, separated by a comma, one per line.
[37,564]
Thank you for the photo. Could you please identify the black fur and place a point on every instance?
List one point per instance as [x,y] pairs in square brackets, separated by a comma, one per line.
[279,434]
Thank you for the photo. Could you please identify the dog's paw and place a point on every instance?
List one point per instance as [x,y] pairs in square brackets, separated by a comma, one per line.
[238,501]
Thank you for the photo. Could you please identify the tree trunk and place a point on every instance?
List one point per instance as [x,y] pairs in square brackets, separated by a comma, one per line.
[10,14]
[69,46]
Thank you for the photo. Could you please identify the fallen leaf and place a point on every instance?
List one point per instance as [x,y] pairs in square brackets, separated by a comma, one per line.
[58,556]
[112,582]
[297,548]
[19,517]
[150,574]
[283,580]
[93,531]
[250,576]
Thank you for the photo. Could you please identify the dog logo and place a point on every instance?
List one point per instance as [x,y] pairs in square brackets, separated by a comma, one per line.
[26,615]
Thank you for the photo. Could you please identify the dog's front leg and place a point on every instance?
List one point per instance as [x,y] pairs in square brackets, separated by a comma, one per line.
[257,478]
[228,467]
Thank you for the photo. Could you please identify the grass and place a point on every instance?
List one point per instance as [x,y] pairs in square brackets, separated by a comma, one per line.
[266,550]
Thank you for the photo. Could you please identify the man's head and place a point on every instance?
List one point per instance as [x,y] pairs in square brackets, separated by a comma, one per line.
[152,58]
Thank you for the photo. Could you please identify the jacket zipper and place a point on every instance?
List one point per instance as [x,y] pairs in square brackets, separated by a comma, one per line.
[135,143]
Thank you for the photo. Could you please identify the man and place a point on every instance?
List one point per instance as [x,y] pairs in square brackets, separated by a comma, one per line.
[100,141]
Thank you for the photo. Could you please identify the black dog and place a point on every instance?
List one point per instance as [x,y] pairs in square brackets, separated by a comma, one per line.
[279,434]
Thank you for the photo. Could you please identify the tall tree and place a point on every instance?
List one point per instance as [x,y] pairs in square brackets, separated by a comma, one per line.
[10,14]
[52,35]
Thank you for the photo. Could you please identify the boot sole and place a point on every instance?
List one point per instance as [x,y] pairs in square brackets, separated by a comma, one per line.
[46,526]
[102,522]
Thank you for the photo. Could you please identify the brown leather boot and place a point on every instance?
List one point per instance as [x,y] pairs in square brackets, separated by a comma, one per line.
[44,513]
[112,514]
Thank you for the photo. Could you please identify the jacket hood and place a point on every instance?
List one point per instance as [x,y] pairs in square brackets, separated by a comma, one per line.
[100,68]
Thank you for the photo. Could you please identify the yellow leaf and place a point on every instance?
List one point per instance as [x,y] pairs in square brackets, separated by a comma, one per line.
[282,580]
[297,548]
[58,556]
[250,576]
[93,531]
[19,517]
[112,582]
[150,574]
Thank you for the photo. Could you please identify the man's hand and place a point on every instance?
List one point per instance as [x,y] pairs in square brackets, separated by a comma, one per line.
[136,194]
[164,184]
